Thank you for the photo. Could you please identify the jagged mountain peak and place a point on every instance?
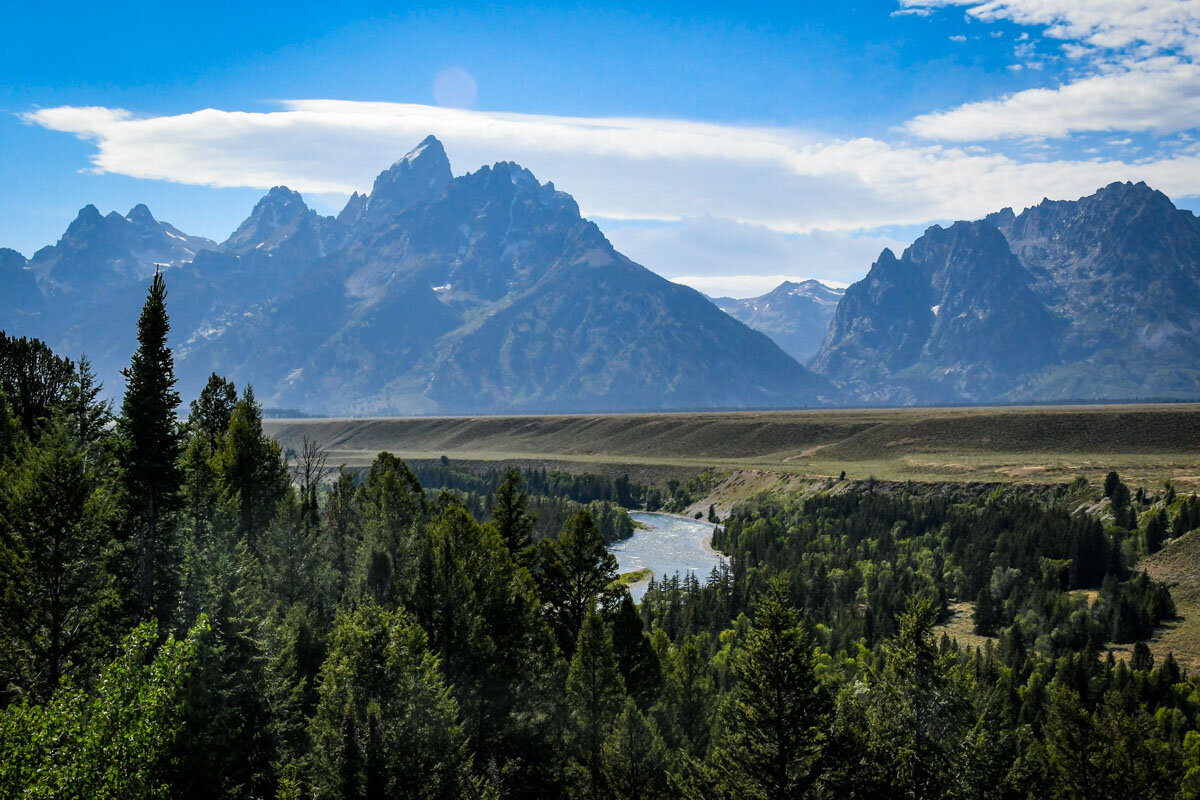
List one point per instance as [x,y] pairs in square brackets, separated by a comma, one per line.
[140,215]
[1070,299]
[419,176]
[429,149]
[88,216]
[282,194]
[281,219]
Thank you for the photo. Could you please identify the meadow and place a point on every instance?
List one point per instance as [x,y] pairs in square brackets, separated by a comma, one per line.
[1147,443]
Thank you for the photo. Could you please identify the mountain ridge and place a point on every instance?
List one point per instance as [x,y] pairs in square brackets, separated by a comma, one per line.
[435,294]
[1085,299]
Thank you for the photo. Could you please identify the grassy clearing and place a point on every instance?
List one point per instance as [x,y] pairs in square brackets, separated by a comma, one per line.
[1178,564]
[1145,443]
[627,580]
[959,626]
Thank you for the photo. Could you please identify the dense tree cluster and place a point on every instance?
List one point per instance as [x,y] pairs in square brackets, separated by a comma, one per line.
[187,611]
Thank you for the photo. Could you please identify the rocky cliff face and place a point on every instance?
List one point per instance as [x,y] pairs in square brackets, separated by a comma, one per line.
[1088,299]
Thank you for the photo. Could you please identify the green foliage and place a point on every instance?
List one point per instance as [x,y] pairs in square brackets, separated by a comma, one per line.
[481,612]
[86,411]
[58,518]
[771,729]
[633,757]
[572,573]
[251,470]
[511,517]
[595,695]
[151,444]
[688,699]
[1111,481]
[35,380]
[354,635]
[386,724]
[212,411]
[636,659]
[115,742]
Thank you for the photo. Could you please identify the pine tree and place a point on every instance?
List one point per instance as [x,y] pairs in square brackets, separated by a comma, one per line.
[572,572]
[151,445]
[633,757]
[1071,745]
[1156,531]
[88,412]
[58,517]
[36,381]
[341,534]
[212,410]
[510,514]
[481,613]
[595,694]
[378,666]
[635,657]
[252,471]
[689,698]
[771,723]
[1110,483]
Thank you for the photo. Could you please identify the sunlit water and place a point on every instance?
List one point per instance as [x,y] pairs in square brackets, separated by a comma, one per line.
[668,545]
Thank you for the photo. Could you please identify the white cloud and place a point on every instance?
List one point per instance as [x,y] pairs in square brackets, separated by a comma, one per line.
[1105,24]
[714,252]
[1161,98]
[1138,70]
[620,168]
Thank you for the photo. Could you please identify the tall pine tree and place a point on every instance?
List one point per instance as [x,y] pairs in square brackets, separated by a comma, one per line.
[151,444]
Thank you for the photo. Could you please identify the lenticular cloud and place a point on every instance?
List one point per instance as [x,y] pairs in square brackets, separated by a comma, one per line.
[617,168]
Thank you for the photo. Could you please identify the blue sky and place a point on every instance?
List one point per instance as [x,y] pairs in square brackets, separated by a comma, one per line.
[726,145]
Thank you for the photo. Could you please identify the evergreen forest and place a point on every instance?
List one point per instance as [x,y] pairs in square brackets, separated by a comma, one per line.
[187,610]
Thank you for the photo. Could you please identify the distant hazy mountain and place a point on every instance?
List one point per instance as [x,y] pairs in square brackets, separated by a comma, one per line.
[1091,299]
[795,315]
[98,252]
[484,293]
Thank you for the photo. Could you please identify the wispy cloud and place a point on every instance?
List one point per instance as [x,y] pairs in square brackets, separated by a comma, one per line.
[1159,25]
[620,168]
[1137,61]
[1163,98]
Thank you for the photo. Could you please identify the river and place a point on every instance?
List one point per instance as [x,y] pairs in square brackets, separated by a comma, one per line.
[668,544]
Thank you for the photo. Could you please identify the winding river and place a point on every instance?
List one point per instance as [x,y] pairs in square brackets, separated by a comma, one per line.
[668,544]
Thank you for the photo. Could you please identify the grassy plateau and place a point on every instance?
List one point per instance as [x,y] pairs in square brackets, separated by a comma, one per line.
[1046,444]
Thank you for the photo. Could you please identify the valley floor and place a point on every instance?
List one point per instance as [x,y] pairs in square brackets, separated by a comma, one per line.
[1147,444]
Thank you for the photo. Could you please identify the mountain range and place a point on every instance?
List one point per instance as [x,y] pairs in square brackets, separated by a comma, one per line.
[490,293]
[484,293]
[1093,299]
